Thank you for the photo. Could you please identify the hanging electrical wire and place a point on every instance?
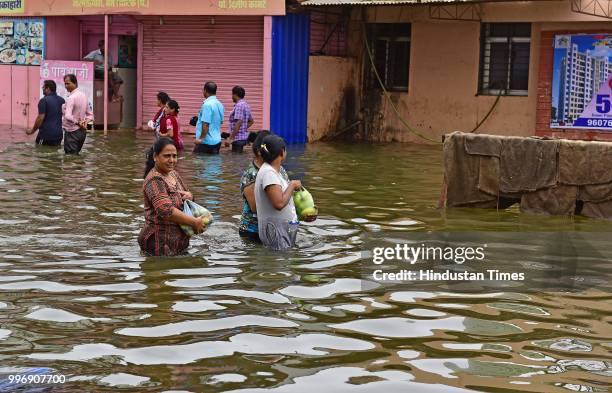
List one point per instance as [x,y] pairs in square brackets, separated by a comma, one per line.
[396,110]
[386,93]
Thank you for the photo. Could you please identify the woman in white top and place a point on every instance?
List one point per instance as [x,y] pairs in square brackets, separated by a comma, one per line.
[274,196]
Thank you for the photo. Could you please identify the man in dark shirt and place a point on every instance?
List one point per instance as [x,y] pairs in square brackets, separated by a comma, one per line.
[49,120]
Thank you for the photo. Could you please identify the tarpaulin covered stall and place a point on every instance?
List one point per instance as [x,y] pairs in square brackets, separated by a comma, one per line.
[551,176]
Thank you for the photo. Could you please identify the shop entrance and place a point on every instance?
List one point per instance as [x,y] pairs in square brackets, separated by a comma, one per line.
[122,78]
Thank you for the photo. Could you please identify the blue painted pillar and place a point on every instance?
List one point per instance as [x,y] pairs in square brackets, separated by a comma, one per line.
[289,93]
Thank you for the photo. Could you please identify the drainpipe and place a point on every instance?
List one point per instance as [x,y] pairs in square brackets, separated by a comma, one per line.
[106,70]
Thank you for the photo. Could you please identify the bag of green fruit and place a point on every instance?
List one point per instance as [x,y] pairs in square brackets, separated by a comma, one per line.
[193,209]
[304,205]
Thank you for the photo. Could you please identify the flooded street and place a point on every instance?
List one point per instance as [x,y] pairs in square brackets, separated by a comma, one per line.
[77,299]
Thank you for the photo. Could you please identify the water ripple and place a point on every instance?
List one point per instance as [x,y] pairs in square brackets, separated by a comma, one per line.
[78,299]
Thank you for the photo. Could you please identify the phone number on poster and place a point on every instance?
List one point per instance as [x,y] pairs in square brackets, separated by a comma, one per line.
[599,123]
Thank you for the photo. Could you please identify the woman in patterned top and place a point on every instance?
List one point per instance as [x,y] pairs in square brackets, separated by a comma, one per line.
[248,222]
[164,194]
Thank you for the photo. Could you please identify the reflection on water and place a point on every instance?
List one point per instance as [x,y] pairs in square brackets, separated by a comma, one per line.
[76,297]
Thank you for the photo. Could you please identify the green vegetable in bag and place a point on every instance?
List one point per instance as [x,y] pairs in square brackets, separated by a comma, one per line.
[193,209]
[304,204]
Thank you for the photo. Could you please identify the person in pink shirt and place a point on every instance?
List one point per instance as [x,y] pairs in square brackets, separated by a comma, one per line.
[76,116]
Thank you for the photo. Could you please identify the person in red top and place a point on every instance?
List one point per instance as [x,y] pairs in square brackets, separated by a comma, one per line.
[169,126]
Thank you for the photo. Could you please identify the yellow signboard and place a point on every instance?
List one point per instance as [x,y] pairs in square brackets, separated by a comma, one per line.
[143,7]
[110,4]
[242,4]
[12,6]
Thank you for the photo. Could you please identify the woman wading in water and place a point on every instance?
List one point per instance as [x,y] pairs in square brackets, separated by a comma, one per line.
[274,197]
[164,194]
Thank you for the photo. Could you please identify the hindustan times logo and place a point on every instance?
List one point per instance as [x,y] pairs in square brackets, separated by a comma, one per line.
[411,254]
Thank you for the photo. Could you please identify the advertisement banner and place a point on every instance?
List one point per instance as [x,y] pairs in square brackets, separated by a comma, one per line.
[55,70]
[22,41]
[582,82]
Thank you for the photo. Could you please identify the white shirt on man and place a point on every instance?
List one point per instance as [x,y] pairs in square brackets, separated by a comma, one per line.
[98,57]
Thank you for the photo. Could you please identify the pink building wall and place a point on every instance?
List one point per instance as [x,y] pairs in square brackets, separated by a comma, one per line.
[20,92]
[5,94]
[62,41]
[23,82]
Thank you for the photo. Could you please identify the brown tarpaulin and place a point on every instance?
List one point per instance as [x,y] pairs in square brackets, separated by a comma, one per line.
[461,175]
[527,164]
[583,162]
[549,176]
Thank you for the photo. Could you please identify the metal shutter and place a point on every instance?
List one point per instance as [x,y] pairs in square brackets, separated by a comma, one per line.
[181,54]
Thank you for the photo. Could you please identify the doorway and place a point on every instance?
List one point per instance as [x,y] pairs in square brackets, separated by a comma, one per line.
[122,47]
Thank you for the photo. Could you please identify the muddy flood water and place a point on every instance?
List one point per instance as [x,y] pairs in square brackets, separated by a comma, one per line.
[77,300]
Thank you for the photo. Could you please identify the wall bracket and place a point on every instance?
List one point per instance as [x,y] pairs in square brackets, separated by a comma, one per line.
[601,8]
[467,12]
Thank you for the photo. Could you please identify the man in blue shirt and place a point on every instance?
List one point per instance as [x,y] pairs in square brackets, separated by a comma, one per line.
[208,127]
[49,120]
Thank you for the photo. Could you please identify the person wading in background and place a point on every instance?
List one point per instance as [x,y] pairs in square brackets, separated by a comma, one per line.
[240,120]
[49,120]
[162,100]
[76,116]
[208,127]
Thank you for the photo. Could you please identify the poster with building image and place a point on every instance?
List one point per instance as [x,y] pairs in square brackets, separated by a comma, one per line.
[582,82]
[22,41]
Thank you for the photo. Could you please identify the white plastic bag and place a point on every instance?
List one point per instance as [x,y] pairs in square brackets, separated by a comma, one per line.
[194,210]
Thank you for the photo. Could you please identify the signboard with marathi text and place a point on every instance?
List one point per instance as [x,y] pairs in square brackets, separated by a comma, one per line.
[55,70]
[12,7]
[582,82]
[143,7]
